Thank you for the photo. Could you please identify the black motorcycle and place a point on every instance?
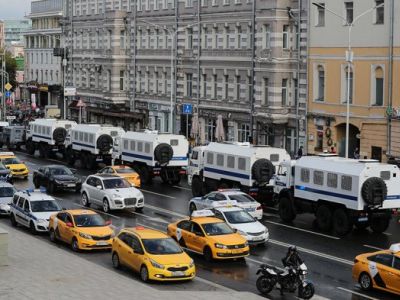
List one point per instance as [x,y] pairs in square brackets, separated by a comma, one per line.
[289,280]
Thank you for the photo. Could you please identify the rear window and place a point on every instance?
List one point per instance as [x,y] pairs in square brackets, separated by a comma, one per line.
[241,198]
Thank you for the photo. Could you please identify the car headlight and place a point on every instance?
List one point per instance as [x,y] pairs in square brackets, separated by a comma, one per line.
[85,236]
[156,264]
[220,246]
[191,265]
[58,181]
[115,196]
[246,244]
[41,221]
[242,232]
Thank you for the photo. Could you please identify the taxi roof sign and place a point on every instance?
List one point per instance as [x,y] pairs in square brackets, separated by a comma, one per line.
[202,213]
[395,248]
[7,153]
[225,203]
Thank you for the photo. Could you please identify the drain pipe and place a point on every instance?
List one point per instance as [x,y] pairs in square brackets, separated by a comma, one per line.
[390,83]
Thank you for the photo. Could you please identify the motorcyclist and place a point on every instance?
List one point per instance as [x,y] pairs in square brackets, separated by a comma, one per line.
[292,258]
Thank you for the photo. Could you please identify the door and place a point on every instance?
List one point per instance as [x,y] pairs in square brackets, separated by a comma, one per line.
[376,153]
[27,212]
[395,278]
[68,231]
[182,230]
[138,252]
[384,276]
[197,240]
[90,186]
[210,198]
[59,225]
[19,212]
[39,175]
[98,193]
[125,250]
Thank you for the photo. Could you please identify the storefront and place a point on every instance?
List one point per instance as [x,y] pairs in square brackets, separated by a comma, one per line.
[158,115]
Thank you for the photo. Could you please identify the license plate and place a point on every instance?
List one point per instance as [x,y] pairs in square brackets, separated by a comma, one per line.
[257,238]
[236,251]
[363,219]
[101,243]
[71,185]
[250,209]
[178,273]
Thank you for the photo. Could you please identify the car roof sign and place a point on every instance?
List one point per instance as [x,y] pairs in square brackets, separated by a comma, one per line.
[395,248]
[202,213]
[225,203]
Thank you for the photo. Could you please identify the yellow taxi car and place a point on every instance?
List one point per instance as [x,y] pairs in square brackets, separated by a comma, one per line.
[205,234]
[82,229]
[123,171]
[17,168]
[153,254]
[380,270]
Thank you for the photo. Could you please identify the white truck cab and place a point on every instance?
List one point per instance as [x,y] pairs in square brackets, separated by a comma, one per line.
[340,192]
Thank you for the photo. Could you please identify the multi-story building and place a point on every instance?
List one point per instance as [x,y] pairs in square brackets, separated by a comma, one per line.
[230,58]
[2,37]
[14,29]
[43,72]
[373,77]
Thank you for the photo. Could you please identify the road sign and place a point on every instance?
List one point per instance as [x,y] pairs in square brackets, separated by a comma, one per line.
[8,86]
[187,109]
[69,91]
[8,94]
[11,117]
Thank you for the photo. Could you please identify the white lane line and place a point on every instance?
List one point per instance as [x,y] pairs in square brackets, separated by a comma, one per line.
[304,230]
[161,195]
[148,217]
[357,294]
[182,188]
[96,210]
[372,247]
[166,211]
[316,253]
[387,233]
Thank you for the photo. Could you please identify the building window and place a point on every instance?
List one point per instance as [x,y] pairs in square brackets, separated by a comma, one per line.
[295,91]
[156,82]
[349,10]
[267,36]
[379,12]
[320,138]
[189,3]
[265,92]
[210,130]
[121,80]
[109,80]
[243,132]
[378,86]
[284,92]
[348,86]
[156,5]
[321,14]
[204,85]
[285,36]
[189,86]
[122,39]
[226,87]
[238,87]
[321,84]
[189,34]
[215,86]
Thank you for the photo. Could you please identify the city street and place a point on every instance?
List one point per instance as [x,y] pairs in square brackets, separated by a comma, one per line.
[328,258]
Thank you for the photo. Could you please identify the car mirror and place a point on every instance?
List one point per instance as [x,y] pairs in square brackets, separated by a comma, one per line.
[69,224]
[108,222]
[235,230]
[98,187]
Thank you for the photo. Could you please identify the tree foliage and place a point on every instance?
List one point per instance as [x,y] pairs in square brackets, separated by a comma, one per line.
[11,68]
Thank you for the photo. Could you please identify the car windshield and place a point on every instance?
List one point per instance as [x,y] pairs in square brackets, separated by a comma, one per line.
[161,246]
[116,183]
[10,161]
[238,217]
[60,171]
[45,205]
[7,191]
[87,220]
[217,228]
[240,198]
[125,170]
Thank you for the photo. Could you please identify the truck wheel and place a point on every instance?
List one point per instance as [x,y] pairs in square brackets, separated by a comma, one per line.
[379,225]
[90,162]
[163,176]
[69,153]
[374,191]
[177,180]
[286,209]
[324,217]
[30,147]
[197,187]
[341,222]
[144,174]
[262,170]
[42,150]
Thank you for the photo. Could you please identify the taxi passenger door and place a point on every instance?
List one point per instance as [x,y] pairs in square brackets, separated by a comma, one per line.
[124,249]
[60,226]
[197,239]
[138,252]
[385,277]
[69,231]
[396,274]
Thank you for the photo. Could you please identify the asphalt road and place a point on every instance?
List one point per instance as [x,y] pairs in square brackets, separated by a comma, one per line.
[328,258]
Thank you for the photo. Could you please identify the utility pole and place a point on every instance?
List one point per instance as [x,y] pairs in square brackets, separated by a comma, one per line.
[253,77]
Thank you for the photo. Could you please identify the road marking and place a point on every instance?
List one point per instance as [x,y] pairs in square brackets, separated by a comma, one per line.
[150,192]
[148,217]
[166,211]
[304,230]
[182,188]
[372,247]
[387,233]
[316,253]
[96,210]
[357,294]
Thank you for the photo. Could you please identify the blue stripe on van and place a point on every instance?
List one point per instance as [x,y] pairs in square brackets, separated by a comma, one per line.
[83,145]
[41,136]
[179,158]
[327,193]
[137,156]
[228,173]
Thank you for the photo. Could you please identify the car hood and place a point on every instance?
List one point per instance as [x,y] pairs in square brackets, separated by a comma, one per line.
[228,239]
[96,231]
[5,200]
[249,227]
[172,259]
[127,193]
[64,177]
[17,166]
[43,215]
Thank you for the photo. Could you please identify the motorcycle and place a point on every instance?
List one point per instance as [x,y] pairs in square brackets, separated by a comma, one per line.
[289,279]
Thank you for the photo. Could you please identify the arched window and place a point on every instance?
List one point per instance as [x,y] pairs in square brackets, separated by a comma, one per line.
[378,87]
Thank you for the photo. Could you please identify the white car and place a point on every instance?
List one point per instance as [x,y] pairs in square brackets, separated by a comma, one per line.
[247,226]
[33,209]
[243,200]
[7,192]
[111,192]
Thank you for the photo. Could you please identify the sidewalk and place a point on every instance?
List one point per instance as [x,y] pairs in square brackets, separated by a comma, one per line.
[40,270]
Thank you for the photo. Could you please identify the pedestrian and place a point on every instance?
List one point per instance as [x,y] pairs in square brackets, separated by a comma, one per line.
[300,152]
[356,153]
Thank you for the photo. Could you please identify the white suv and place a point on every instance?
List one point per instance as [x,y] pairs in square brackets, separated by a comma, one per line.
[111,192]
[33,209]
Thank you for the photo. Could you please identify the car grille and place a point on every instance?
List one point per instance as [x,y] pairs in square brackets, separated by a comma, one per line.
[130,201]
[101,238]
[174,269]
[255,233]
[232,254]
[19,170]
[236,246]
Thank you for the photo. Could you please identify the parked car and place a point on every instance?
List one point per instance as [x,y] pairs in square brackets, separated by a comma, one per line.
[56,178]
[16,166]
[111,192]
[123,171]
[5,174]
[7,192]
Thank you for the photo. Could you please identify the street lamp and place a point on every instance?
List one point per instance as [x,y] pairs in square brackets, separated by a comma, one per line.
[172,35]
[349,60]
[3,70]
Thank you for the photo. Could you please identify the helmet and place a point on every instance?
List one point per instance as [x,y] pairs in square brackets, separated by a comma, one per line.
[292,249]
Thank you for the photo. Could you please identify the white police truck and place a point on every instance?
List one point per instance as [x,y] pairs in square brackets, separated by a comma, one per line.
[152,153]
[234,165]
[91,143]
[340,192]
[48,136]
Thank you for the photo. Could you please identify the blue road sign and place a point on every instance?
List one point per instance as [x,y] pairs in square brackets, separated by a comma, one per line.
[187,109]
[8,94]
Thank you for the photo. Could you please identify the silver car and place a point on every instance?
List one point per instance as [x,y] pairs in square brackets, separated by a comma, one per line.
[111,192]
[7,192]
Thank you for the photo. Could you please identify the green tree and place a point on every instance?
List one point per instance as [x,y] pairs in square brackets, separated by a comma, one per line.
[11,68]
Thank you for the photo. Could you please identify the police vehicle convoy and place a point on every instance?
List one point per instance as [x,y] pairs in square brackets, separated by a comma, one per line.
[47,136]
[234,165]
[91,143]
[340,192]
[154,154]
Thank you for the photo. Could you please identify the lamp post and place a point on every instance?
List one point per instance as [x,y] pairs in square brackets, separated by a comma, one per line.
[3,91]
[349,60]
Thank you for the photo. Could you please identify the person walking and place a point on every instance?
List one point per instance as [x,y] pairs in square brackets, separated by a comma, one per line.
[300,152]
[356,153]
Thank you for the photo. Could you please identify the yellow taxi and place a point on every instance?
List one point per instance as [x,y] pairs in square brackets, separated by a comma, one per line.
[17,168]
[153,254]
[380,270]
[205,234]
[82,229]
[123,171]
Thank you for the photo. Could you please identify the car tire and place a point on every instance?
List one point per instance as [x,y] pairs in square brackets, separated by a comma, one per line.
[197,187]
[51,188]
[32,228]
[75,245]
[286,209]
[115,261]
[324,217]
[341,222]
[207,254]
[144,274]
[192,208]
[379,225]
[365,281]
[36,182]
[85,200]
[13,221]
[106,206]
[52,236]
